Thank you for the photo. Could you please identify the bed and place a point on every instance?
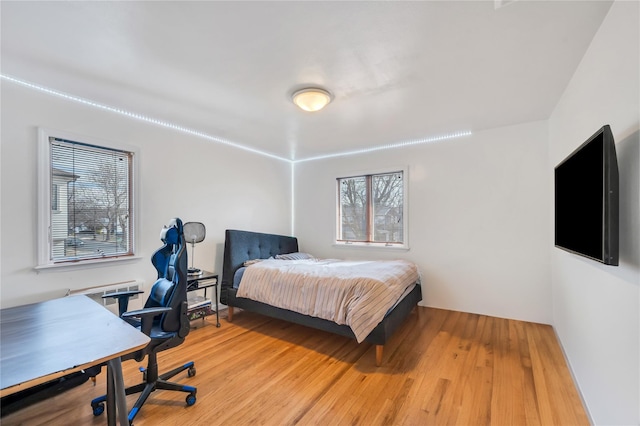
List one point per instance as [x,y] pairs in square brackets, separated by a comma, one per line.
[244,247]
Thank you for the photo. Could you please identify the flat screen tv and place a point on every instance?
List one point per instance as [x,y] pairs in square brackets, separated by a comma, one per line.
[586,200]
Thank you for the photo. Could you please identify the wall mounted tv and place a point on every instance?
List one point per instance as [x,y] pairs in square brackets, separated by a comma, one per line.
[586,200]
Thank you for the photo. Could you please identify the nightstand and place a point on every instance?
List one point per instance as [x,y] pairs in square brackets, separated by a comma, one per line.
[200,307]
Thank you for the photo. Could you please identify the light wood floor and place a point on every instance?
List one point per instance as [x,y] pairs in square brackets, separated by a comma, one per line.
[441,367]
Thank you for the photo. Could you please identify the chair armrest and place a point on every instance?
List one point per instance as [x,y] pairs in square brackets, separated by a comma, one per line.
[120,294]
[146,315]
[123,299]
[145,312]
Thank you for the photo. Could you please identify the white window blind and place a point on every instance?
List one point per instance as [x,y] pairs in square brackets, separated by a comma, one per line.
[91,201]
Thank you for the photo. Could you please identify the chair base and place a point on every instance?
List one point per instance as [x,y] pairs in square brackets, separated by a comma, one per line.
[150,385]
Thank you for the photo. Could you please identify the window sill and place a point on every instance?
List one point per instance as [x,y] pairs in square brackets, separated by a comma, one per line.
[82,264]
[372,246]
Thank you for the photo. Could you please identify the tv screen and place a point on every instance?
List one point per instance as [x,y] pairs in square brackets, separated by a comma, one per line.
[586,200]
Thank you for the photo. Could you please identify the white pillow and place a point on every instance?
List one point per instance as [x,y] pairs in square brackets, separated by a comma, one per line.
[294,256]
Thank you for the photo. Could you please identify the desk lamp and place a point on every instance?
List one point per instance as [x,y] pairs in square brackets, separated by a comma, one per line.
[194,232]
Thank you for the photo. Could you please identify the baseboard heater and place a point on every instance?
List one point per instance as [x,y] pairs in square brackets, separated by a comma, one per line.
[111,303]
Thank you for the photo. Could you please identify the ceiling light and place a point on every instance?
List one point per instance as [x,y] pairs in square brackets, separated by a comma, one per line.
[311,99]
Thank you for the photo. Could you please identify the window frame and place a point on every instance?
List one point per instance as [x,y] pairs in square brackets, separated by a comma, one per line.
[44,214]
[369,207]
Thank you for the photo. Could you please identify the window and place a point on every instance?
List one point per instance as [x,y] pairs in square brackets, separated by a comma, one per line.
[371,209]
[89,189]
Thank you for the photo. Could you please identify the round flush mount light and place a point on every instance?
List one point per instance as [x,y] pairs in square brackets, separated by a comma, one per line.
[311,99]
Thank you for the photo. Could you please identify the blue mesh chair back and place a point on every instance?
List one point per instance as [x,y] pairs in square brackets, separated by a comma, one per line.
[170,288]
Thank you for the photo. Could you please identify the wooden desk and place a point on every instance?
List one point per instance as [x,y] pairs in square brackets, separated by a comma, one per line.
[44,341]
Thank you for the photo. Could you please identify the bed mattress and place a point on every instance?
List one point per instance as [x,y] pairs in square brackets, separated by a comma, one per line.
[354,293]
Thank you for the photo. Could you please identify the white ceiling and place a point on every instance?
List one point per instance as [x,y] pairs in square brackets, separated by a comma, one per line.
[397,70]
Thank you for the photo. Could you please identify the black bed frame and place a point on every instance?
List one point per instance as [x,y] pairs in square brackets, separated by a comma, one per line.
[241,246]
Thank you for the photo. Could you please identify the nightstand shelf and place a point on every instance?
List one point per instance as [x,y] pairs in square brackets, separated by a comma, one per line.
[203,281]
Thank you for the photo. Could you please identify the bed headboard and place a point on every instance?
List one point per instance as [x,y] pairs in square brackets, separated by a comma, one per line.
[240,246]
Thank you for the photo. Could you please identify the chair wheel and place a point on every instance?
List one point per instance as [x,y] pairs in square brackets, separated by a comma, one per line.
[98,409]
[191,399]
[191,372]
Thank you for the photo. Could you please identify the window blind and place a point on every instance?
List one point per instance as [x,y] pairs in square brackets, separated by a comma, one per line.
[91,201]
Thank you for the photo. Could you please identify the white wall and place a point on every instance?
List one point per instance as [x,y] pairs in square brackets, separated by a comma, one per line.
[478,218]
[180,176]
[596,307]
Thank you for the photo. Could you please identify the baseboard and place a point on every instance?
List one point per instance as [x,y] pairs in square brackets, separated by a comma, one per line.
[573,376]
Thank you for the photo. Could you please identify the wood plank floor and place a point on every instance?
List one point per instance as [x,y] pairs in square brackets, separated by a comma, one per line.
[441,367]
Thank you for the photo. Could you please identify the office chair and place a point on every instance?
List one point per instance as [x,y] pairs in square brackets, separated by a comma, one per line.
[164,319]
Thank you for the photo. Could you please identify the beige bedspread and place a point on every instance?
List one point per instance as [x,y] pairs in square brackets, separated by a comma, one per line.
[355,293]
